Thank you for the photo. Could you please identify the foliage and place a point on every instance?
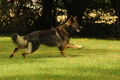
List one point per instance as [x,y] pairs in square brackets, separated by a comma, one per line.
[99,16]
[17,17]
[25,16]
[100,23]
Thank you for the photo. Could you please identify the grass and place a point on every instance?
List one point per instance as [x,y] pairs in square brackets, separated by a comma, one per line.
[98,60]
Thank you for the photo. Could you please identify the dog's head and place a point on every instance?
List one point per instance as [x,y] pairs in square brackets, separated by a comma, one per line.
[73,25]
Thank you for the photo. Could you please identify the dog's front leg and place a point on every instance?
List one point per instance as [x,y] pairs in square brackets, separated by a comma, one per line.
[69,45]
[62,51]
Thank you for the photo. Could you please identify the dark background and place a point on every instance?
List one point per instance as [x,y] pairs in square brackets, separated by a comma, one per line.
[98,17]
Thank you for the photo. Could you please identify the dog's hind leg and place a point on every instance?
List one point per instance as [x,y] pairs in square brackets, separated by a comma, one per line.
[15,50]
[62,52]
[32,47]
[29,50]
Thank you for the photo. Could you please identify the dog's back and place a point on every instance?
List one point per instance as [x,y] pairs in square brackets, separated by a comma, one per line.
[48,37]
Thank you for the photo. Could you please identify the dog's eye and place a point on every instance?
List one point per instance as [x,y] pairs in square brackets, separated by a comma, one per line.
[76,24]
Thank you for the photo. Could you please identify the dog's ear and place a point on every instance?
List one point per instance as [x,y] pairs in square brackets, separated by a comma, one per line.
[75,18]
[69,20]
[71,16]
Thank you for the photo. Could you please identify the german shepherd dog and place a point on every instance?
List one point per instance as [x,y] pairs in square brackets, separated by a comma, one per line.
[58,36]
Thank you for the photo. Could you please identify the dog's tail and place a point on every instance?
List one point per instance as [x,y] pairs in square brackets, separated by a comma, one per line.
[19,40]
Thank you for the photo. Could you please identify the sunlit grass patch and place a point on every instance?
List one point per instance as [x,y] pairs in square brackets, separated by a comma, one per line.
[98,60]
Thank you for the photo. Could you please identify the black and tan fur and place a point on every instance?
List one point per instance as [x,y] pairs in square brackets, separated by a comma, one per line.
[58,36]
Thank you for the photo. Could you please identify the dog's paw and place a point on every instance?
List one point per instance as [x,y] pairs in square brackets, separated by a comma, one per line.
[66,56]
[11,56]
[79,47]
[24,55]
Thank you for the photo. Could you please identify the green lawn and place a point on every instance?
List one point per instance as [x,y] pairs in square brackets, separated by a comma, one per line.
[98,60]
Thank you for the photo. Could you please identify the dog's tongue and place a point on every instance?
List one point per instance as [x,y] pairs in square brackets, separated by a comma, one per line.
[77,30]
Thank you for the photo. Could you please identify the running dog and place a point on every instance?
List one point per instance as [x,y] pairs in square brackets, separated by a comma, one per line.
[58,36]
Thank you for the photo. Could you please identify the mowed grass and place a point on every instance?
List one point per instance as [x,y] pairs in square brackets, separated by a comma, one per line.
[97,60]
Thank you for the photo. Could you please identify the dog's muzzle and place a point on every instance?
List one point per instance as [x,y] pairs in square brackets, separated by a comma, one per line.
[78,29]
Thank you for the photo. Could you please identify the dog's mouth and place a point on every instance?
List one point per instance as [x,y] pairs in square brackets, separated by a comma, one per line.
[77,30]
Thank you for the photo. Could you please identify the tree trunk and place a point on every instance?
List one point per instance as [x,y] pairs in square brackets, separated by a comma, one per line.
[116,6]
[74,9]
[45,22]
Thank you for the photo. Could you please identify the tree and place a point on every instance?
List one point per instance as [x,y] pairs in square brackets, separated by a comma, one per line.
[78,7]
[45,22]
[17,17]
